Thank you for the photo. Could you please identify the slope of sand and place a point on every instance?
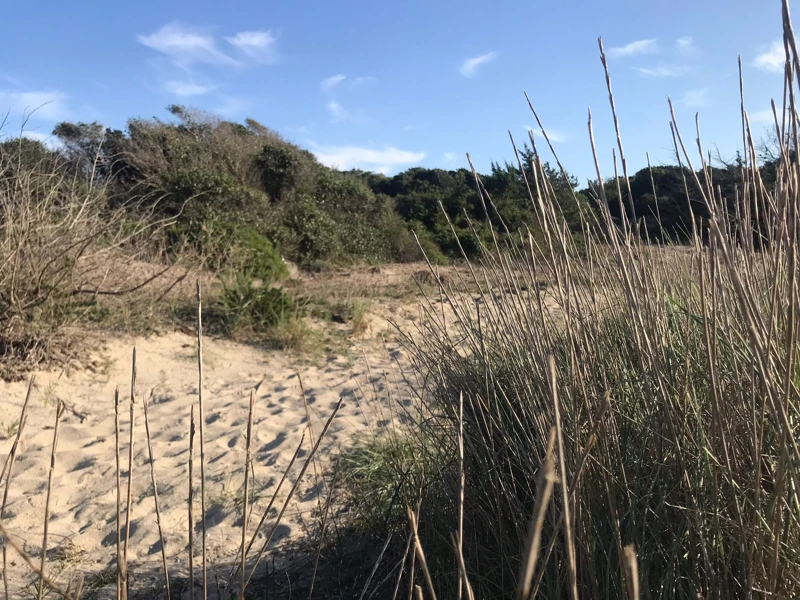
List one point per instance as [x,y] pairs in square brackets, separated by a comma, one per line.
[83,505]
[369,375]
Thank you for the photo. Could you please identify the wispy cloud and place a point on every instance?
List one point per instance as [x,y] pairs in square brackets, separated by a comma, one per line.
[662,71]
[13,81]
[414,127]
[766,116]
[470,66]
[46,106]
[186,47]
[188,88]
[450,156]
[384,161]
[260,46]
[49,141]
[234,106]
[359,81]
[329,83]
[554,135]
[772,59]
[684,43]
[338,112]
[636,48]
[696,98]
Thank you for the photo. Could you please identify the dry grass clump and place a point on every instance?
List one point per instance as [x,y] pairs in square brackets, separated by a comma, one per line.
[58,236]
[629,430]
[670,379]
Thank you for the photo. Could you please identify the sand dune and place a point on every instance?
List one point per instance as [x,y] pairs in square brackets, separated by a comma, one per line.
[83,507]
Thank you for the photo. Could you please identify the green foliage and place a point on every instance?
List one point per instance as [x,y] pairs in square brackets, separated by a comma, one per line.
[247,305]
[278,166]
[259,259]
[312,232]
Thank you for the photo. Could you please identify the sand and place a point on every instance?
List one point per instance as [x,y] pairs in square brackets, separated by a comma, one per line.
[82,534]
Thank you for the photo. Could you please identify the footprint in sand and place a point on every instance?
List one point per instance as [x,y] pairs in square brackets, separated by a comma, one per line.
[274,444]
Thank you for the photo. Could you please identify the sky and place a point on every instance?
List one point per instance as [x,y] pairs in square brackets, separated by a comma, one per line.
[388,85]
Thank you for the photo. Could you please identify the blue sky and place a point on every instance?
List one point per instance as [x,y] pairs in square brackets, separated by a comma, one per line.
[386,85]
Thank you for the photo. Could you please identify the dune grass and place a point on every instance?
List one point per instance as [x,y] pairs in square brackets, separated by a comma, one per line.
[628,430]
[669,375]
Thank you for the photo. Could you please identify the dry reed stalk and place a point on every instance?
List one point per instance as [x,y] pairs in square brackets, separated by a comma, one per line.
[462,568]
[562,471]
[155,499]
[294,486]
[8,468]
[267,510]
[51,473]
[201,417]
[544,489]
[420,554]
[129,494]
[191,502]
[33,567]
[631,572]
[323,529]
[461,483]
[409,539]
[118,521]
[374,567]
[246,486]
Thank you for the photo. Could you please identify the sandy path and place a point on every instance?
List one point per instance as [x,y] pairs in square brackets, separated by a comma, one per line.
[82,525]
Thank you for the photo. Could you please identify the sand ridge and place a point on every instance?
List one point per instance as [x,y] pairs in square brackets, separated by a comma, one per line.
[83,506]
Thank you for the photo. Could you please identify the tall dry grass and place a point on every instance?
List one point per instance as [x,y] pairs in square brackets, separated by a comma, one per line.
[604,418]
[669,374]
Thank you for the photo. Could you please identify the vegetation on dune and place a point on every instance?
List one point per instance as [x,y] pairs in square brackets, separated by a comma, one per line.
[613,413]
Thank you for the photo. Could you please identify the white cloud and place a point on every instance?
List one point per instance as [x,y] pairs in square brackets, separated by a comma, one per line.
[696,98]
[684,43]
[552,134]
[662,71]
[358,81]
[762,116]
[339,112]
[369,159]
[233,106]
[49,141]
[634,49]
[331,82]
[450,156]
[414,127]
[773,59]
[470,66]
[13,81]
[188,88]
[186,47]
[47,106]
[258,45]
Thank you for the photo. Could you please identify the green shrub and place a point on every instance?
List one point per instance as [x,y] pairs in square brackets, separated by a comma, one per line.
[312,232]
[259,260]
[246,305]
[278,165]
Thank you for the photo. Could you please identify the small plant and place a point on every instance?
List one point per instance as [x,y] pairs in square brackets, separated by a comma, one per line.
[8,430]
[246,304]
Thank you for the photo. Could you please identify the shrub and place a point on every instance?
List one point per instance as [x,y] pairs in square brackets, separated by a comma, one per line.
[259,259]
[249,306]
[278,166]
